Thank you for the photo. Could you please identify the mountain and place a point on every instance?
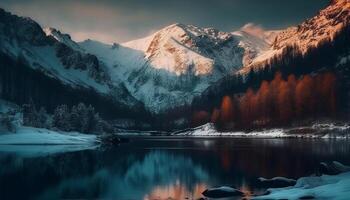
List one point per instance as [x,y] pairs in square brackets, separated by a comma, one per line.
[176,47]
[309,34]
[318,47]
[172,66]
[22,37]
[32,53]
[164,70]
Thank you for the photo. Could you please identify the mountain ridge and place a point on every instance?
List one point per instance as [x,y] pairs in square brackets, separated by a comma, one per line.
[170,67]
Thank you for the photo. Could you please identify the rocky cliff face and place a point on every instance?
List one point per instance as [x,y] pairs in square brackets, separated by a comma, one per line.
[23,37]
[309,34]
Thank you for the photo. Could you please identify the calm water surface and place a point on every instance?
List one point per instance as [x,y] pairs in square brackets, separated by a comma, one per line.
[160,168]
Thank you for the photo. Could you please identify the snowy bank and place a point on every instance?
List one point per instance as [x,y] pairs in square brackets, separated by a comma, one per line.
[39,136]
[314,131]
[314,187]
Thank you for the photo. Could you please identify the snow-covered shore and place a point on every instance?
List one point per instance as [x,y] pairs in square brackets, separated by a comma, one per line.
[33,142]
[40,136]
[314,187]
[314,131]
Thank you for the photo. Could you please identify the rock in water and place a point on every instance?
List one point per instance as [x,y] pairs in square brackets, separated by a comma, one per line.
[331,168]
[276,182]
[222,192]
[307,197]
[113,139]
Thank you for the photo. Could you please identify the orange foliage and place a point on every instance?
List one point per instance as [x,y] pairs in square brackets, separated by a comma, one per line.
[305,96]
[247,106]
[264,100]
[280,101]
[284,102]
[227,109]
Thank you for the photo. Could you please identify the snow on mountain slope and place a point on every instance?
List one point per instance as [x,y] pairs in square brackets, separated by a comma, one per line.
[178,47]
[23,38]
[171,66]
[58,56]
[119,59]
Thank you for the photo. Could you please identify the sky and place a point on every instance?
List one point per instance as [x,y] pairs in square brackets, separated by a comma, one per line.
[124,20]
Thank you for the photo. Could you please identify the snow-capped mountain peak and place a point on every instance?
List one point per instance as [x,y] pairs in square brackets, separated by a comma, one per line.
[171,66]
[179,48]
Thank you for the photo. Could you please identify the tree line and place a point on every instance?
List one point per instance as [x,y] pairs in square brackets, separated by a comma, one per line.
[276,102]
[79,118]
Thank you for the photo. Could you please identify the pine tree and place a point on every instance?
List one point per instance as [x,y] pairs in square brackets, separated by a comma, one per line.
[61,118]
[83,117]
[75,121]
[42,118]
[30,115]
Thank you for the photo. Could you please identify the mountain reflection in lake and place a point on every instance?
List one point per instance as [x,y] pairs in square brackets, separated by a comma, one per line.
[162,168]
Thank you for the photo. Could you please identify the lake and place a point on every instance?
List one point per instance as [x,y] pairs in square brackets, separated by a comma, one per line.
[160,167]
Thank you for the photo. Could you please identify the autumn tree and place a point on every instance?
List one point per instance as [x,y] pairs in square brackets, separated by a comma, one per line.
[264,101]
[274,90]
[227,110]
[246,107]
[284,102]
[292,84]
[305,101]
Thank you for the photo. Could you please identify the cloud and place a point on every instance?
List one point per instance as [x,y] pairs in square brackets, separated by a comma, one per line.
[253,29]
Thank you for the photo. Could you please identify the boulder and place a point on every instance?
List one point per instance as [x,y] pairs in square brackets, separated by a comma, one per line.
[331,168]
[276,182]
[113,139]
[222,192]
[307,197]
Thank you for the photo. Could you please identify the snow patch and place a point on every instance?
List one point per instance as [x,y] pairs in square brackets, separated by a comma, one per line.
[208,130]
[328,130]
[323,187]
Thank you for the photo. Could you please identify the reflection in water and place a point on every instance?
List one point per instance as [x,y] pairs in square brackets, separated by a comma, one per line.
[43,150]
[157,168]
[177,191]
[163,168]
